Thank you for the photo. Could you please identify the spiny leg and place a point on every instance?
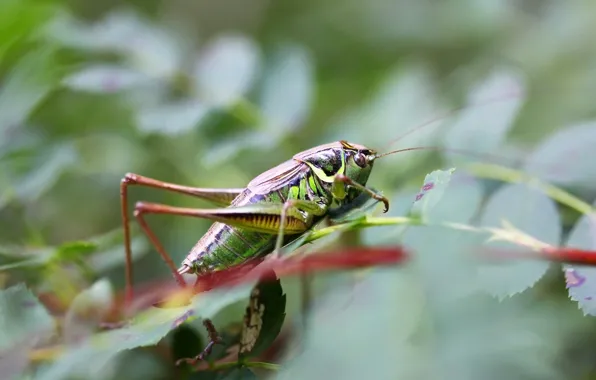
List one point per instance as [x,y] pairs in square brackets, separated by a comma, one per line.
[340,178]
[138,213]
[220,196]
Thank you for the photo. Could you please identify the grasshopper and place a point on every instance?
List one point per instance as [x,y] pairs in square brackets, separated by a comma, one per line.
[274,209]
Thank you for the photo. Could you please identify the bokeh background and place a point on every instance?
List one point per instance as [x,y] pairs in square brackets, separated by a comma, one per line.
[212,93]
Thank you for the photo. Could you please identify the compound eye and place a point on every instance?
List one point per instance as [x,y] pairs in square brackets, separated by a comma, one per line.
[360,159]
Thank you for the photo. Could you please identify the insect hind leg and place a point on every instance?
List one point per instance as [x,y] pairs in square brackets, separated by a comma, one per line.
[138,213]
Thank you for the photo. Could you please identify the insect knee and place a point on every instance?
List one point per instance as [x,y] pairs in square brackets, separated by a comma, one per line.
[140,209]
[129,179]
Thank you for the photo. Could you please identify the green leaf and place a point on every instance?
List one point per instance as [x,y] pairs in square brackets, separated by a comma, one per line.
[431,193]
[287,91]
[148,47]
[20,19]
[21,257]
[26,85]
[226,69]
[45,170]
[87,310]
[75,250]
[530,211]
[96,354]
[171,118]
[566,157]
[264,318]
[105,79]
[22,317]
[24,322]
[581,279]
[489,114]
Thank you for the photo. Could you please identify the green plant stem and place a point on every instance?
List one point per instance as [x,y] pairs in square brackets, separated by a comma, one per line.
[361,223]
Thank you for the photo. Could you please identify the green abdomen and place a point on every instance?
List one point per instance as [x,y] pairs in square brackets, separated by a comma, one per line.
[224,246]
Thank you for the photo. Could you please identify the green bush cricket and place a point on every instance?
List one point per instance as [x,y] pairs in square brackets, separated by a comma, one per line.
[274,209]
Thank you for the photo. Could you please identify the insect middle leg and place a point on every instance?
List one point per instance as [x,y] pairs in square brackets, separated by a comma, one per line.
[309,208]
[339,190]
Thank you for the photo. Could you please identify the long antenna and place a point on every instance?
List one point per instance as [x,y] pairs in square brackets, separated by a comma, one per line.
[463,152]
[496,99]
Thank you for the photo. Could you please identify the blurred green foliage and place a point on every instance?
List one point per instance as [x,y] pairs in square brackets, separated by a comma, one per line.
[212,93]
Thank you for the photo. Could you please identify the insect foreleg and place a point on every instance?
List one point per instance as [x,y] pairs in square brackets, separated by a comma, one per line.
[362,203]
[338,192]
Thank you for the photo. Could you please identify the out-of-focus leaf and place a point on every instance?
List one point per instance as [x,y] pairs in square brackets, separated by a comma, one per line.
[460,201]
[464,334]
[402,114]
[44,175]
[383,308]
[87,310]
[263,319]
[149,48]
[25,86]
[20,19]
[74,250]
[531,212]
[97,250]
[566,157]
[228,149]
[14,362]
[172,119]
[22,318]
[105,78]
[287,92]
[482,127]
[94,355]
[24,256]
[108,258]
[581,279]
[226,69]
[435,185]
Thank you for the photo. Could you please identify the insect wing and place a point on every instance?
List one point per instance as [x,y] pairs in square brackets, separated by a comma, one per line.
[275,177]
